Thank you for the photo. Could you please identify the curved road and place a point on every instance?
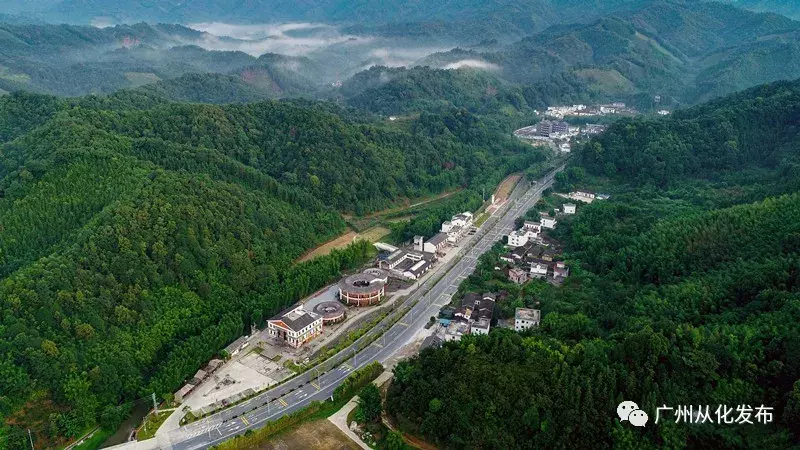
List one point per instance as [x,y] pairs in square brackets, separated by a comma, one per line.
[319,383]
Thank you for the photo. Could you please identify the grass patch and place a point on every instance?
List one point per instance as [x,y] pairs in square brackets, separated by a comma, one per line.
[151,424]
[94,442]
[294,367]
[482,218]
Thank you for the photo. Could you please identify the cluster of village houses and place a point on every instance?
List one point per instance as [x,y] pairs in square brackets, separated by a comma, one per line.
[532,255]
[474,316]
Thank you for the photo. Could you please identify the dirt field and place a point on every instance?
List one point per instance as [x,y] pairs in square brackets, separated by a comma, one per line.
[506,186]
[340,242]
[373,234]
[316,435]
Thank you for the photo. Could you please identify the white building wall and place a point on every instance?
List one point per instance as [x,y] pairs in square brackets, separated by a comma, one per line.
[522,325]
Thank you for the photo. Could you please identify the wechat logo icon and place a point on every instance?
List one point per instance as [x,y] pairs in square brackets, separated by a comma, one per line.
[630,411]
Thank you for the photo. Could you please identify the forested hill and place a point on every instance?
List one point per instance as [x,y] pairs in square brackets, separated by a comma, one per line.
[684,290]
[140,236]
[758,128]
[396,90]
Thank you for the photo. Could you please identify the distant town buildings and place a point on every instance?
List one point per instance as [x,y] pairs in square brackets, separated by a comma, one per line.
[548,128]
[525,318]
[663,112]
[295,327]
[592,129]
[559,112]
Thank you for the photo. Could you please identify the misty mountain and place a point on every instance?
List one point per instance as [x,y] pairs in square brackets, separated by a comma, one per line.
[518,15]
[789,8]
[14,19]
[684,51]
[75,60]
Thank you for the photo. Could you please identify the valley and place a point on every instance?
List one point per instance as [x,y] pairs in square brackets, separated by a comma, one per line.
[222,221]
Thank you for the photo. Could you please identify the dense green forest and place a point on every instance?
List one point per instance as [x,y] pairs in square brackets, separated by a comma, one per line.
[684,291]
[140,236]
[756,129]
[397,90]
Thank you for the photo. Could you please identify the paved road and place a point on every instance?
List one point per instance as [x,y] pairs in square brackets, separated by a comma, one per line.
[319,384]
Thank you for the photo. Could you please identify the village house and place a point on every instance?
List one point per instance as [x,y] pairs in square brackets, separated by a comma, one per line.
[480,326]
[407,264]
[561,270]
[476,311]
[518,276]
[521,237]
[508,257]
[455,330]
[437,243]
[538,270]
[548,222]
[457,227]
[532,226]
[525,318]
[236,346]
[183,392]
[547,254]
[518,238]
[569,208]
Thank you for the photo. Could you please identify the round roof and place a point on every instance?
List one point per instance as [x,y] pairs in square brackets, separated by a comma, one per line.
[329,310]
[363,283]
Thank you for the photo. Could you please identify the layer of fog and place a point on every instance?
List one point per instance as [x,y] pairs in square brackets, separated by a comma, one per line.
[472,64]
[293,39]
[339,54]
